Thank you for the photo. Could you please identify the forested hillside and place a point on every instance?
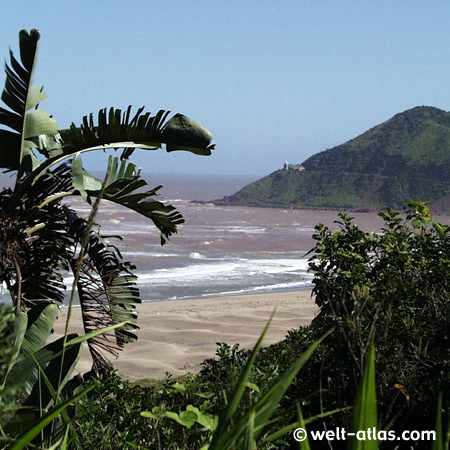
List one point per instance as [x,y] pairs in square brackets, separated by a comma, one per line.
[407,157]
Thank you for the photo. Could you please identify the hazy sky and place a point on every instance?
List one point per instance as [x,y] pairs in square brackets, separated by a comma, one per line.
[272,80]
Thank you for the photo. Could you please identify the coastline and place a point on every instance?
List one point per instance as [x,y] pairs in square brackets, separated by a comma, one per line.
[176,336]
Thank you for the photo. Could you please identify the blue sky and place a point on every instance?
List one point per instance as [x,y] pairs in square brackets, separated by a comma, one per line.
[272,80]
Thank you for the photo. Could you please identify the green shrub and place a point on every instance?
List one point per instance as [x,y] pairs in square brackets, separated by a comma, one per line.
[394,287]
[390,288]
[109,418]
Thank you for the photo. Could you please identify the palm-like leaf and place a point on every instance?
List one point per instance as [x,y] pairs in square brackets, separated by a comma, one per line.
[33,352]
[44,232]
[116,130]
[25,127]
[20,97]
[45,253]
[120,130]
[40,239]
[125,187]
[107,292]
[25,375]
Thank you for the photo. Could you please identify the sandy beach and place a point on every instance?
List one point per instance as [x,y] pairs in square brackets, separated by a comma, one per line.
[176,336]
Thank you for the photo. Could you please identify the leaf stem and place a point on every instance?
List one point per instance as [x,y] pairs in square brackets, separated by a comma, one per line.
[19,284]
[79,265]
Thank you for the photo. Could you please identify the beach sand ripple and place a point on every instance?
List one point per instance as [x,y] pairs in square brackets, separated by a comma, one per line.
[177,336]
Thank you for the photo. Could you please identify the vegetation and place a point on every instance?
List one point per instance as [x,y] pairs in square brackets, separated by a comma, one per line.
[41,238]
[403,158]
[395,288]
[391,290]
[376,355]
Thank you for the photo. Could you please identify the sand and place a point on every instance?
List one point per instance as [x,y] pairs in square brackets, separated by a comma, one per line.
[176,336]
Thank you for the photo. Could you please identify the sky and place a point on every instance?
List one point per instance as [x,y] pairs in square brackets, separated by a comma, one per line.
[273,80]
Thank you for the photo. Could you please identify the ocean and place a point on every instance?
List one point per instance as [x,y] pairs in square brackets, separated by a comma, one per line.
[218,250]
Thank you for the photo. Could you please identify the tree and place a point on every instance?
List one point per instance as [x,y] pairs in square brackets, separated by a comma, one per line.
[40,237]
[394,288]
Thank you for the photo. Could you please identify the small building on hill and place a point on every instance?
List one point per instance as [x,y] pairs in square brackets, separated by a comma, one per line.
[297,167]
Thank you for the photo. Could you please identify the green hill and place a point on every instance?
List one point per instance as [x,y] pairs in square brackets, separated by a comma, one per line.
[404,158]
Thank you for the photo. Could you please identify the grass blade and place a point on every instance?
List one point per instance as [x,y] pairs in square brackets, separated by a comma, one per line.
[365,408]
[93,334]
[263,409]
[33,431]
[302,445]
[225,418]
[438,444]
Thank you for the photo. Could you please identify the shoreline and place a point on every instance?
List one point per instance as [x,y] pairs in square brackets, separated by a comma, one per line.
[176,336]
[306,287]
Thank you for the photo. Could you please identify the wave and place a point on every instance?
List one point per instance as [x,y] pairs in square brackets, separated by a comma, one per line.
[196,255]
[253,290]
[228,270]
[221,229]
[149,254]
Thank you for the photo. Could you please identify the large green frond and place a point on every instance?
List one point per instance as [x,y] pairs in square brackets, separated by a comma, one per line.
[22,126]
[46,253]
[36,239]
[25,373]
[125,187]
[116,129]
[41,320]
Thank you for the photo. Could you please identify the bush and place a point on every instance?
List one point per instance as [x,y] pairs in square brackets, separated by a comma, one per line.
[391,288]
[394,287]
[109,418]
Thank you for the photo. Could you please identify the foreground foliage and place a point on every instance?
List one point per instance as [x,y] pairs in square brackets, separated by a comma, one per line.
[42,238]
[385,294]
[391,289]
[241,422]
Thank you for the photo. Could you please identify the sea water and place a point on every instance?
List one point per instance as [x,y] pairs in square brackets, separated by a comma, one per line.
[218,250]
